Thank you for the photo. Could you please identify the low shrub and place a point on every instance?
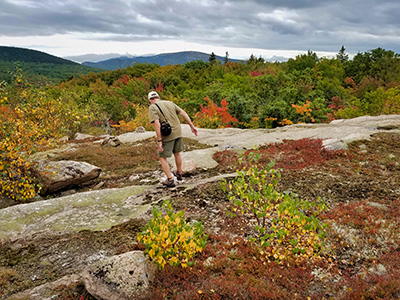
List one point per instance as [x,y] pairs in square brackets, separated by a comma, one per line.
[169,239]
[231,268]
[290,154]
[286,227]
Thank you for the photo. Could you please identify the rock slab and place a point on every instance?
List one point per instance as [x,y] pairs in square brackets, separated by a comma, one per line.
[59,175]
[119,277]
[95,210]
[340,132]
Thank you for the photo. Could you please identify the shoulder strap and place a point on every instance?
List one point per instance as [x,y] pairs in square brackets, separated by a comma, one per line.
[161,111]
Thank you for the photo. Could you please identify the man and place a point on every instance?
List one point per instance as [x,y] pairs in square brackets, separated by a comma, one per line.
[173,143]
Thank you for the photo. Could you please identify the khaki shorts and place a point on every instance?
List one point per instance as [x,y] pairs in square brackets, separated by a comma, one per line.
[170,147]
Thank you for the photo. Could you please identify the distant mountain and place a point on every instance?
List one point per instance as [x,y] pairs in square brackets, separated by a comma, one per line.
[39,66]
[161,59]
[277,59]
[92,57]
[13,54]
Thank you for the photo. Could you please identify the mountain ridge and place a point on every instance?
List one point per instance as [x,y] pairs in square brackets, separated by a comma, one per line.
[92,57]
[38,66]
[162,59]
[29,55]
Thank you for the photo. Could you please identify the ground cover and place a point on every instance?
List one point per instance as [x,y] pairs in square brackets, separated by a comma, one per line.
[360,258]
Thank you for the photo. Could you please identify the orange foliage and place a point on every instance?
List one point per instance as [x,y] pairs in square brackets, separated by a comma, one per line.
[213,116]
[304,110]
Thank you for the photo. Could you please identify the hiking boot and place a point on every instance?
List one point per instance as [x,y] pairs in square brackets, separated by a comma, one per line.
[169,182]
[178,175]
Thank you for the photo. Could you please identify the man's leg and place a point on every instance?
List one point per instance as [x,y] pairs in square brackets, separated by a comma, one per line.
[162,156]
[178,148]
[165,167]
[178,161]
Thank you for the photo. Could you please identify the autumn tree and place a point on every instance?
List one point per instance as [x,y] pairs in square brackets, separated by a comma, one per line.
[303,61]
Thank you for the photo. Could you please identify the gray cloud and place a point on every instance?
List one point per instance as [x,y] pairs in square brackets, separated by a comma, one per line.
[276,24]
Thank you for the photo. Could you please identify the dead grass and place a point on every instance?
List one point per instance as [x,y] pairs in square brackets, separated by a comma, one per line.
[124,160]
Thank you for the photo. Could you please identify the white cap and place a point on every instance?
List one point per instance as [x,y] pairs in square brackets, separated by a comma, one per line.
[153,94]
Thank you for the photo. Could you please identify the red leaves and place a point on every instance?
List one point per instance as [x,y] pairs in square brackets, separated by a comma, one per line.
[290,154]
[350,82]
[297,154]
[213,116]
[159,87]
[255,73]
[122,80]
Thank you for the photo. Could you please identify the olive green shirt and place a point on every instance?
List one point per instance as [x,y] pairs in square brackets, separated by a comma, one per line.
[171,111]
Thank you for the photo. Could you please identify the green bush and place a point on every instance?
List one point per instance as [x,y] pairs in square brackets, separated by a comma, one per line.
[286,227]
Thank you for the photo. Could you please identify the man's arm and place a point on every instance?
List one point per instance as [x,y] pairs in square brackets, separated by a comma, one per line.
[189,121]
[157,127]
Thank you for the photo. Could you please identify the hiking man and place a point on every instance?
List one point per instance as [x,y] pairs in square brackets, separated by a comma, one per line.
[173,143]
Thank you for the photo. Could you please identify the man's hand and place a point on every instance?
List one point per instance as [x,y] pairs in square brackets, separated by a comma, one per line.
[160,147]
[189,121]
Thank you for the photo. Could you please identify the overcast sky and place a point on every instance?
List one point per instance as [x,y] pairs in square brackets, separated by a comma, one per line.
[241,27]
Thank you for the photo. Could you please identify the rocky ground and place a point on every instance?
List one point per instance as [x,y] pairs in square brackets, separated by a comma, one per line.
[361,188]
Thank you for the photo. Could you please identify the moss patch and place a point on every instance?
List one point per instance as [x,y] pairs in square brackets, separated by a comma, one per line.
[97,210]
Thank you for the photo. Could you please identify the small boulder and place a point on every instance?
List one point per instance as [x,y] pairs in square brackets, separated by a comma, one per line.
[189,167]
[111,141]
[119,277]
[378,269]
[82,136]
[56,176]
[140,129]
[64,139]
[334,144]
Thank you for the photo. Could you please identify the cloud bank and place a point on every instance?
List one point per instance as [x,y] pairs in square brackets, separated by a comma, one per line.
[297,25]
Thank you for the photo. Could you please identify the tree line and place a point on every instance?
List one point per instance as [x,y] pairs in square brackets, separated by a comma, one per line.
[258,93]
[252,94]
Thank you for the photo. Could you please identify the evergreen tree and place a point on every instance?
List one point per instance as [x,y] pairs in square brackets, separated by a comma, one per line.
[213,58]
[252,59]
[342,55]
[226,57]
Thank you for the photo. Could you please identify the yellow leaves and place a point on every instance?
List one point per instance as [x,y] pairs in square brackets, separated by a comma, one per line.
[151,253]
[284,229]
[28,121]
[174,260]
[177,221]
[168,239]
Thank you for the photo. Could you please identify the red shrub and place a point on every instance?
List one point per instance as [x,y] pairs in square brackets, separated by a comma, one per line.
[290,154]
[213,116]
[255,73]
[232,269]
[123,80]
[226,158]
[297,154]
[358,215]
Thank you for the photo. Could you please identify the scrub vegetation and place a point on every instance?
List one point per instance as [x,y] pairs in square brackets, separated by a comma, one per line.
[314,224]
